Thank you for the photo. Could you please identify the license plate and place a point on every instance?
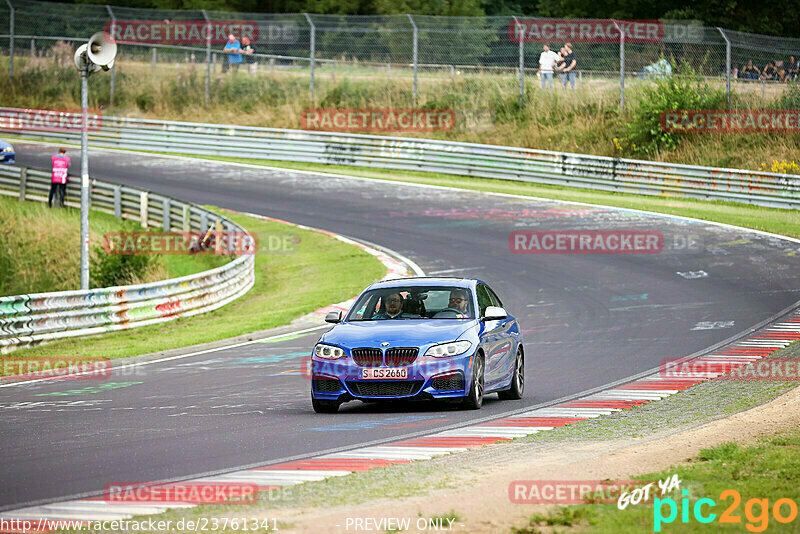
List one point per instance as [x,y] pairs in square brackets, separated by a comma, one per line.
[386,373]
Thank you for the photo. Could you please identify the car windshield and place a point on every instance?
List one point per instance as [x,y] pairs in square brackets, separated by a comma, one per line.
[435,302]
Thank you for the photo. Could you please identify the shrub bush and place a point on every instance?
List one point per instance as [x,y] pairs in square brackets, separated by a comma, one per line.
[644,134]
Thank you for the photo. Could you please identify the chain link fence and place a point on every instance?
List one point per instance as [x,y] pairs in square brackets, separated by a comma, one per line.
[409,60]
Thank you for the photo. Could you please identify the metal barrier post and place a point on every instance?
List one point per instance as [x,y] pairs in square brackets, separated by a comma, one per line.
[521,36]
[416,50]
[154,60]
[118,202]
[10,41]
[143,205]
[727,65]
[187,218]
[23,182]
[621,66]
[113,67]
[208,53]
[166,215]
[311,51]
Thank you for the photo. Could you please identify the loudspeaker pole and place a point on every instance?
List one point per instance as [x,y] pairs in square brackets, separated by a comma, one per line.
[85,176]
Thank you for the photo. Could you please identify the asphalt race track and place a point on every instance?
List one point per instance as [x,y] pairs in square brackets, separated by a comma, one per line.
[588,319]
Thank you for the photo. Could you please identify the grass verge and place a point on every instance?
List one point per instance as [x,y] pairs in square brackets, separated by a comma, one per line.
[759,474]
[40,249]
[282,292]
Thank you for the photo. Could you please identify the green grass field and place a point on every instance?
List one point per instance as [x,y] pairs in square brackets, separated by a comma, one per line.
[760,474]
[40,249]
[283,291]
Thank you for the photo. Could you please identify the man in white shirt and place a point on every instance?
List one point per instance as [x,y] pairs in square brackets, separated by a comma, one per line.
[547,61]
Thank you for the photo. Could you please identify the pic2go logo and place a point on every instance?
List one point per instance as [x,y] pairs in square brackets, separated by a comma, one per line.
[783,511]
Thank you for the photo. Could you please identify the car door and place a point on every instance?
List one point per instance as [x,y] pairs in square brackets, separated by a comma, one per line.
[491,339]
[506,342]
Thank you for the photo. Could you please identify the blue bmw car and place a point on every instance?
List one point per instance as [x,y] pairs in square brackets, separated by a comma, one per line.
[419,338]
[6,152]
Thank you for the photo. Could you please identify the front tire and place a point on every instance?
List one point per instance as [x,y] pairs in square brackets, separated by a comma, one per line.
[325,406]
[517,379]
[474,400]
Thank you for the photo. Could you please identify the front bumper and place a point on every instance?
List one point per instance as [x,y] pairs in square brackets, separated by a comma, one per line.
[428,378]
[7,157]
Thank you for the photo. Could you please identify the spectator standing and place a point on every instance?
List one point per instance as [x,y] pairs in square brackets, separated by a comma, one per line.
[249,58]
[233,48]
[568,66]
[58,181]
[547,62]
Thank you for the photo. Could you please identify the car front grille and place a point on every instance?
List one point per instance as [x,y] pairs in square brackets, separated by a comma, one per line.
[326,385]
[448,382]
[385,388]
[399,356]
[368,357]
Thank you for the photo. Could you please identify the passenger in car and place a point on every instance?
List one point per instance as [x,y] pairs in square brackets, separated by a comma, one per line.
[393,308]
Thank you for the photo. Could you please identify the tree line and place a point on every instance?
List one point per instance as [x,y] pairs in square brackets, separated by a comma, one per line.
[756,16]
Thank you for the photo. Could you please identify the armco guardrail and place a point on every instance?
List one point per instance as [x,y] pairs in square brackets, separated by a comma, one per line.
[466,159]
[42,317]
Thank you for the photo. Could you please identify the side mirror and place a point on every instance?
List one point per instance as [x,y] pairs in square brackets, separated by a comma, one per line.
[494,313]
[333,317]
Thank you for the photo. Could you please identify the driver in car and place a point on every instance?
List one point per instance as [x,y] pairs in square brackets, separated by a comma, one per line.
[393,308]
[459,301]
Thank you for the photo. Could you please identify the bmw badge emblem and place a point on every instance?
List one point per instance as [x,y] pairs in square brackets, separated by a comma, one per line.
[385,344]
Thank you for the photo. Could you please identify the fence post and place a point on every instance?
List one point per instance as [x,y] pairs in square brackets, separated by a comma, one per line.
[23,182]
[312,48]
[521,36]
[416,50]
[143,205]
[118,202]
[33,47]
[333,71]
[621,66]
[113,67]
[166,215]
[154,59]
[727,64]
[208,52]
[187,218]
[10,41]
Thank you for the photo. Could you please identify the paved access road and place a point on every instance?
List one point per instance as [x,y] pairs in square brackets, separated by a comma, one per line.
[589,319]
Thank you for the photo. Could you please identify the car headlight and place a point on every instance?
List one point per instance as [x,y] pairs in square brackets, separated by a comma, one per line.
[329,352]
[8,149]
[454,348]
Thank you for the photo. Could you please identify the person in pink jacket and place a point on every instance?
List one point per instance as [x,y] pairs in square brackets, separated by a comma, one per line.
[58,185]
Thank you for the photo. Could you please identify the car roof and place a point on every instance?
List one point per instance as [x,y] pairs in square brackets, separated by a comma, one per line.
[418,281]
